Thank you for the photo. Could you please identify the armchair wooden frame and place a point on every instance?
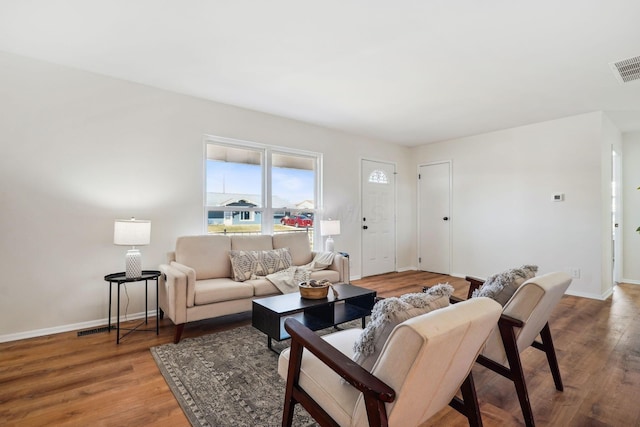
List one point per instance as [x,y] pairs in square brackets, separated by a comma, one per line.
[375,392]
[507,326]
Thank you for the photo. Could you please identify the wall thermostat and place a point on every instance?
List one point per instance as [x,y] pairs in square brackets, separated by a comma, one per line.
[558,197]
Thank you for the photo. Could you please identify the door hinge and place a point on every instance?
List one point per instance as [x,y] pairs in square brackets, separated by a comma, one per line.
[419,260]
[419,176]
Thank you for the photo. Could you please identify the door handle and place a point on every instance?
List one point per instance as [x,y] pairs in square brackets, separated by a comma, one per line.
[446,218]
[364,227]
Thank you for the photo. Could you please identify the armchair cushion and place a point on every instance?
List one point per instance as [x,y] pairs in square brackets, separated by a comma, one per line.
[501,287]
[390,312]
[246,265]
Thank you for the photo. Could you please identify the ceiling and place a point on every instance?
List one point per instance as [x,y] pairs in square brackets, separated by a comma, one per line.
[407,72]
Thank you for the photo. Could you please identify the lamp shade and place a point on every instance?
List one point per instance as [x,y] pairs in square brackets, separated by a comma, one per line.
[330,227]
[132,232]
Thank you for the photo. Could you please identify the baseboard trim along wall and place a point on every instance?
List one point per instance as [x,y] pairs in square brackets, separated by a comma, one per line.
[67,328]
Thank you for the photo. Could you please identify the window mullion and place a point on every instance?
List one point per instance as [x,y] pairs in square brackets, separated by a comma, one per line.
[267,216]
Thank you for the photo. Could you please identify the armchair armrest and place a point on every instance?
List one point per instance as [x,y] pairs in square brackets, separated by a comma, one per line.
[510,321]
[353,373]
[474,283]
[375,391]
[506,326]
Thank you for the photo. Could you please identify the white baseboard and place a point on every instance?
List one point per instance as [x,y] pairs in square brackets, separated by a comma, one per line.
[68,328]
[400,270]
[631,282]
[589,295]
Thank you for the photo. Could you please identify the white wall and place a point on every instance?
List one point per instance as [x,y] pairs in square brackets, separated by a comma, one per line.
[80,150]
[631,209]
[502,209]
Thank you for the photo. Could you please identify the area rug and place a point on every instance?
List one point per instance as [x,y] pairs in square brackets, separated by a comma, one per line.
[228,378]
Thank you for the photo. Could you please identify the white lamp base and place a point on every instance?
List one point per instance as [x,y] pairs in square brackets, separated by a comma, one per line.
[328,245]
[133,264]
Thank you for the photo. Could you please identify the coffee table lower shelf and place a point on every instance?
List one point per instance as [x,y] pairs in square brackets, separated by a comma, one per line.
[269,314]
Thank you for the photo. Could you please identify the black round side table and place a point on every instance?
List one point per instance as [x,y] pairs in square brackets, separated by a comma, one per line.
[119,279]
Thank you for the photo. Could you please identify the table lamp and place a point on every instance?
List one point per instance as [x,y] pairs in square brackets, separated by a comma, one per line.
[132,232]
[329,228]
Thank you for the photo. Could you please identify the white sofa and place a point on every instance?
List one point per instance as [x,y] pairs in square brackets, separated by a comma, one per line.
[197,281]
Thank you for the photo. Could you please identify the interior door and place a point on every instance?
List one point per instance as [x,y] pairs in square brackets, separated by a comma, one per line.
[616,244]
[378,218]
[434,193]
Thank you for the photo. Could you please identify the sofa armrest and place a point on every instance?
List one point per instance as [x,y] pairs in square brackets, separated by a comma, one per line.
[341,265]
[191,281]
[172,291]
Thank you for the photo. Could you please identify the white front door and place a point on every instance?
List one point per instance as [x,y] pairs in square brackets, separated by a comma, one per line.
[378,218]
[434,192]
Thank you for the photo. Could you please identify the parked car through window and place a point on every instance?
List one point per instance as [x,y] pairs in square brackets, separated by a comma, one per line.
[297,221]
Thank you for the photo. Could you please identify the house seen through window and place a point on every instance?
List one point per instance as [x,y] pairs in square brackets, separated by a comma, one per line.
[256,189]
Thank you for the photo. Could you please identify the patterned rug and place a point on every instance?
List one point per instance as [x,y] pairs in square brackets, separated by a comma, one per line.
[229,378]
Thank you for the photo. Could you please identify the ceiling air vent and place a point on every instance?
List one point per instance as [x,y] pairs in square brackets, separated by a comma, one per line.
[626,70]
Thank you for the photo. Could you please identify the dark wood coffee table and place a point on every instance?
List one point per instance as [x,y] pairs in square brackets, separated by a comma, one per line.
[352,303]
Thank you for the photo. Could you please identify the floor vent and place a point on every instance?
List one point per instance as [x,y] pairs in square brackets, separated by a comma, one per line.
[626,70]
[93,331]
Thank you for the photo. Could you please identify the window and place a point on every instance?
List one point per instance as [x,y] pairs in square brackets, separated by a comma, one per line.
[258,189]
[378,177]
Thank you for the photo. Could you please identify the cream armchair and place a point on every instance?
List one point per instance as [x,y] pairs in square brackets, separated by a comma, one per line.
[423,364]
[525,316]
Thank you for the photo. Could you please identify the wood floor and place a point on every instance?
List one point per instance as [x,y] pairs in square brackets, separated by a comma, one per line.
[65,379]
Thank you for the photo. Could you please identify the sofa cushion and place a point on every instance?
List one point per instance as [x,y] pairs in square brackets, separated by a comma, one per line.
[218,290]
[263,287]
[207,255]
[246,265]
[390,312]
[257,242]
[501,287]
[298,244]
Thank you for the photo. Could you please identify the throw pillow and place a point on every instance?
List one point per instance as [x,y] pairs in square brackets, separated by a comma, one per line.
[501,287]
[390,312]
[249,264]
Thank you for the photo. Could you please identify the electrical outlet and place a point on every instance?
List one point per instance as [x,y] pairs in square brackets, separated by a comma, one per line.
[575,273]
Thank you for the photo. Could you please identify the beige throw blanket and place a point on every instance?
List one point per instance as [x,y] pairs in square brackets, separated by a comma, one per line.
[287,280]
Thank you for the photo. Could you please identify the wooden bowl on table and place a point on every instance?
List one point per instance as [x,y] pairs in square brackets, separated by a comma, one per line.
[314,289]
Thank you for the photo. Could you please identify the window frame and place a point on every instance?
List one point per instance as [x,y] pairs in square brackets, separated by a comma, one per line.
[267,210]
